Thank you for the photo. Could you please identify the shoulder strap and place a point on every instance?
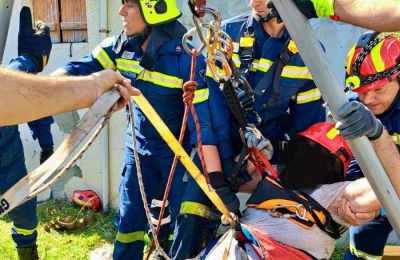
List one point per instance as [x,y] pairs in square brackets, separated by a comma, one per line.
[274,74]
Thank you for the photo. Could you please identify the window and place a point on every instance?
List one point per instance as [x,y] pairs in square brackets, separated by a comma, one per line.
[66,19]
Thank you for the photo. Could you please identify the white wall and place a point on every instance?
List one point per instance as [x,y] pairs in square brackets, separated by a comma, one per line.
[336,38]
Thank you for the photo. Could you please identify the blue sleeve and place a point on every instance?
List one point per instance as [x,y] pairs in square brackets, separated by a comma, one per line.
[41,130]
[307,107]
[101,58]
[23,63]
[220,118]
[200,103]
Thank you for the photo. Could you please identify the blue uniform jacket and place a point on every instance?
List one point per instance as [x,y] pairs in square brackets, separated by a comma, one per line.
[299,105]
[162,86]
[391,121]
[10,143]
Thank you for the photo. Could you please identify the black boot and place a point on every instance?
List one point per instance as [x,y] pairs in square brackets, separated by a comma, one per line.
[28,253]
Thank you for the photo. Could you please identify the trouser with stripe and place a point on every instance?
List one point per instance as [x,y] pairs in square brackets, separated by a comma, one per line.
[24,217]
[131,221]
[368,240]
[195,225]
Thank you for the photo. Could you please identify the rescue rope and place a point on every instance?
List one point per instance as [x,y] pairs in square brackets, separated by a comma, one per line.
[189,89]
[141,185]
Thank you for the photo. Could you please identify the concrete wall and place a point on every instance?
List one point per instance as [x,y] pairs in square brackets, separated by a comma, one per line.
[336,38]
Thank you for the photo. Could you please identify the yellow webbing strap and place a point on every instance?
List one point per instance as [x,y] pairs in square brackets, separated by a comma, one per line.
[173,143]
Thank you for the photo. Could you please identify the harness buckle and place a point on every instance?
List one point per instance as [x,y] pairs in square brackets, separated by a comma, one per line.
[283,145]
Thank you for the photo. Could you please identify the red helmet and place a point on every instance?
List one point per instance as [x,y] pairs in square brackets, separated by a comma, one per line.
[87,199]
[328,136]
[373,62]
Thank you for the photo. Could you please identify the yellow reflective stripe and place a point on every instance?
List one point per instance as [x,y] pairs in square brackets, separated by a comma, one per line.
[129,65]
[236,59]
[130,237]
[194,208]
[332,133]
[308,96]
[200,95]
[292,47]
[296,72]
[219,70]
[254,65]
[264,64]
[362,254]
[24,232]
[101,55]
[161,79]
[377,58]
[246,42]
[396,138]
[349,58]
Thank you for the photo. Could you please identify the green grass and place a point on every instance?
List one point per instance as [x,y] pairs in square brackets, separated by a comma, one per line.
[74,244]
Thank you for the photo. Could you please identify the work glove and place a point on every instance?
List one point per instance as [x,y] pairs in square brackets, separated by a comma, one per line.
[196,6]
[254,139]
[223,190]
[355,120]
[45,153]
[34,41]
[310,8]
[234,178]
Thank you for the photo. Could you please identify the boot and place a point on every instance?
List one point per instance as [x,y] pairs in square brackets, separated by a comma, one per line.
[28,253]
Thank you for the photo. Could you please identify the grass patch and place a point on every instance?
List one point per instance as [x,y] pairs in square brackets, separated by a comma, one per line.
[67,244]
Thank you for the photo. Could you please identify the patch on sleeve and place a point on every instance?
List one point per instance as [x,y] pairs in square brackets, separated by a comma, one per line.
[202,74]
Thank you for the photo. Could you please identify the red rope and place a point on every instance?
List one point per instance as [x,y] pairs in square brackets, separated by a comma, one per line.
[189,89]
[261,163]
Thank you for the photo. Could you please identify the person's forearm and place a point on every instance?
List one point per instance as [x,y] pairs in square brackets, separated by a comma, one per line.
[377,15]
[211,157]
[25,97]
[390,158]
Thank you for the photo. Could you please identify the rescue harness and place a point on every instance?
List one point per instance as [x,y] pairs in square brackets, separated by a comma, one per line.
[296,206]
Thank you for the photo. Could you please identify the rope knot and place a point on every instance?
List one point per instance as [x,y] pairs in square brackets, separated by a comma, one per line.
[188,91]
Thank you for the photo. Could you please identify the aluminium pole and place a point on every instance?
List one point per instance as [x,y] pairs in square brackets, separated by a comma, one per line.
[332,92]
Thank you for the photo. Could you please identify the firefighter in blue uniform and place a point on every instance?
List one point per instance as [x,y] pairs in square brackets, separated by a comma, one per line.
[373,66]
[34,46]
[286,100]
[150,53]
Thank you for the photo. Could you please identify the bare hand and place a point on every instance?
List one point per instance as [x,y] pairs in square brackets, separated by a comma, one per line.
[354,219]
[361,197]
[107,79]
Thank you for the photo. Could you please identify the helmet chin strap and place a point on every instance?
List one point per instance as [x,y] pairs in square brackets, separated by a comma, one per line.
[265,19]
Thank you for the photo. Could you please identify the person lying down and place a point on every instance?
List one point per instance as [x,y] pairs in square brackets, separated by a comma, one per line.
[309,206]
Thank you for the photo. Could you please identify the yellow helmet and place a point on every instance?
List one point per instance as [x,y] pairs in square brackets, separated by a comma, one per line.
[155,12]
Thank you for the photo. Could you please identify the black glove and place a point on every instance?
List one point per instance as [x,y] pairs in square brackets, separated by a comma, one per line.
[235,178]
[223,190]
[305,6]
[45,153]
[35,41]
[355,120]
